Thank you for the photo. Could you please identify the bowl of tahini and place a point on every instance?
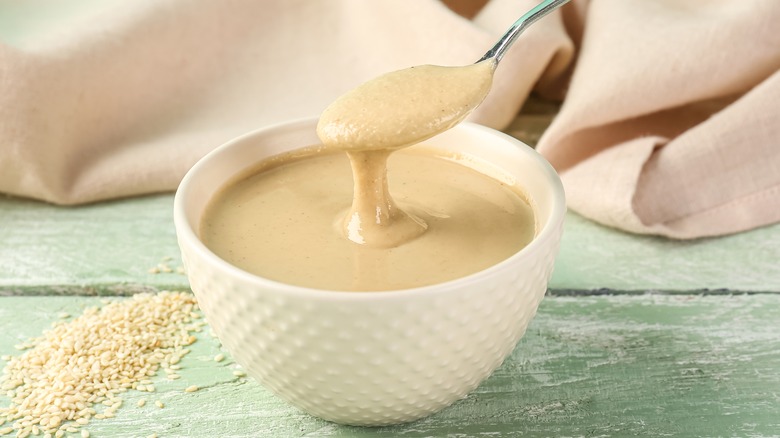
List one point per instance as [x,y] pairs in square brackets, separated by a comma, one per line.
[370,331]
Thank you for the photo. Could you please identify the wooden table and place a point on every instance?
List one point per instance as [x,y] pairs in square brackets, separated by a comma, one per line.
[639,336]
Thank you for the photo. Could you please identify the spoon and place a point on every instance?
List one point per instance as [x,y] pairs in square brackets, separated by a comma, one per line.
[396,110]
[407,106]
[497,52]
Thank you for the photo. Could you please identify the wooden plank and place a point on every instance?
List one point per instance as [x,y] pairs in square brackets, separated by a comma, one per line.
[609,366]
[108,248]
[102,248]
[593,257]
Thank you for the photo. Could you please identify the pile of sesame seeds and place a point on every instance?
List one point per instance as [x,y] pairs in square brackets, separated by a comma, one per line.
[76,371]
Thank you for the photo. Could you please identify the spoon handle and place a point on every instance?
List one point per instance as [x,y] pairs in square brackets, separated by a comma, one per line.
[529,18]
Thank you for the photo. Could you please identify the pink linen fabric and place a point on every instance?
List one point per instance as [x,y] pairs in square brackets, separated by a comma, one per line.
[670,121]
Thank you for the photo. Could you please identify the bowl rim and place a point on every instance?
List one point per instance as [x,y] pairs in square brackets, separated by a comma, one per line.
[185,233]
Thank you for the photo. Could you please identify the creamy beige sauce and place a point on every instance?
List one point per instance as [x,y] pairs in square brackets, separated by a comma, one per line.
[281,222]
[390,112]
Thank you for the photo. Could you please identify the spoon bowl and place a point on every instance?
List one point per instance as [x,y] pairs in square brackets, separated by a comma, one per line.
[416,103]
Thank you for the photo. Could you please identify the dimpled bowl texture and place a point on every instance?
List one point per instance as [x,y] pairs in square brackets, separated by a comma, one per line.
[373,358]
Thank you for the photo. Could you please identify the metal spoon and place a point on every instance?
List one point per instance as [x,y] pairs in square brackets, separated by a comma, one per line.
[529,18]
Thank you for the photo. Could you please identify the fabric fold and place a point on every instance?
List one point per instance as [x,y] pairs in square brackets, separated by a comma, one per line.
[668,122]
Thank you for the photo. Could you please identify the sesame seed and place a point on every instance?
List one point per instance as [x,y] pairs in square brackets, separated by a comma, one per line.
[84,434]
[111,349]
[173,376]
[219,358]
[141,403]
[191,388]
[159,404]
[239,373]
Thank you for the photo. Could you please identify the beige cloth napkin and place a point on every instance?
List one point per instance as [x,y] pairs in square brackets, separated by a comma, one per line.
[670,124]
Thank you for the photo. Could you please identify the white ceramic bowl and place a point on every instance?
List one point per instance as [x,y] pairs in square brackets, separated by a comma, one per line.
[373,358]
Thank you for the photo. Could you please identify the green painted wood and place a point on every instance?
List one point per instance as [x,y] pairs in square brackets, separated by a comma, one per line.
[593,257]
[102,248]
[108,248]
[607,366]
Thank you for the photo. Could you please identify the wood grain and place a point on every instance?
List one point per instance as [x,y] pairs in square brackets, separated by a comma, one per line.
[607,366]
